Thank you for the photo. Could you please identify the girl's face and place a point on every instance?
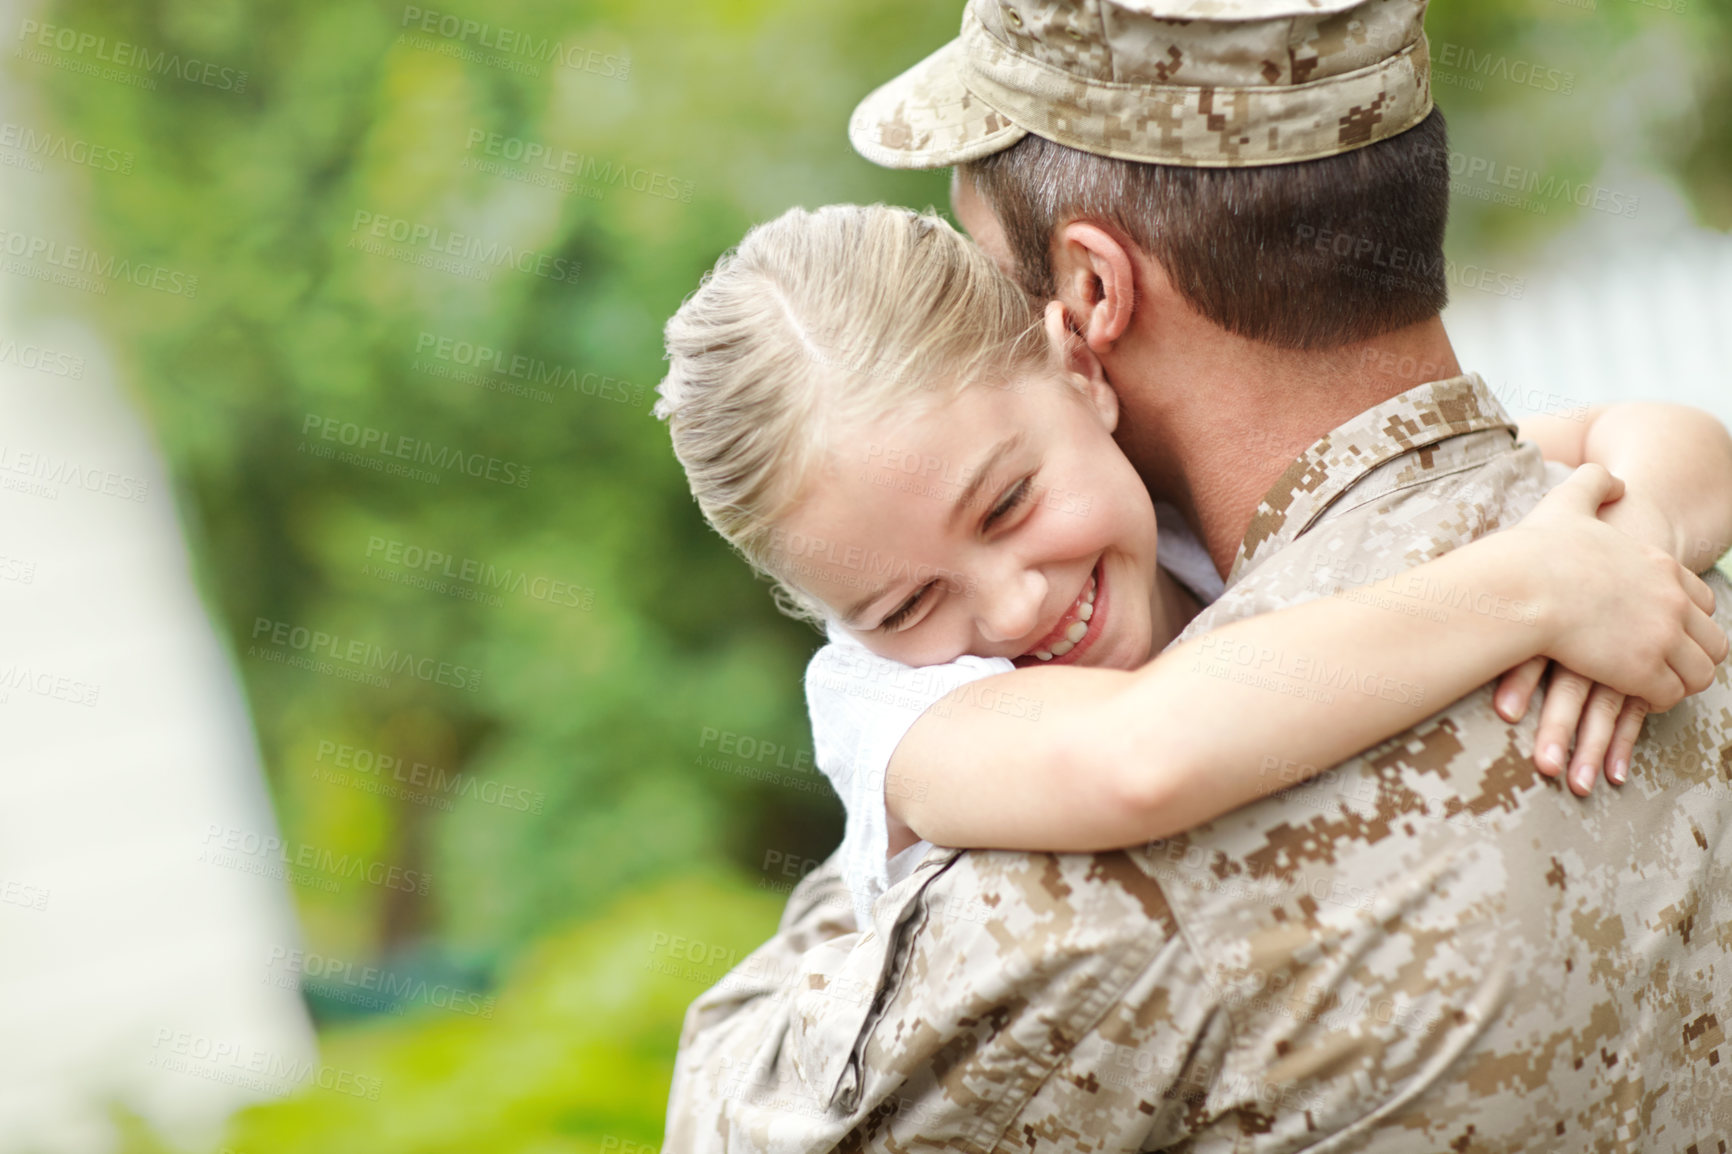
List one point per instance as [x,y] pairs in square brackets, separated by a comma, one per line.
[1004,523]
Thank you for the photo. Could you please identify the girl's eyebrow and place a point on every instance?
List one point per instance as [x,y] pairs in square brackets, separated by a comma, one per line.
[977,478]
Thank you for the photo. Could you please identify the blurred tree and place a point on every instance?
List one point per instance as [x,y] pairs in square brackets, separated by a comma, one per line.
[358,211]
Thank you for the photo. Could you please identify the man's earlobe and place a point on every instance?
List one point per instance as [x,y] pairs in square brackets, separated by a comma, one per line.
[1095,278]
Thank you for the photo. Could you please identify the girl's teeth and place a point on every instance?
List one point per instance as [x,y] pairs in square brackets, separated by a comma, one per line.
[1077,630]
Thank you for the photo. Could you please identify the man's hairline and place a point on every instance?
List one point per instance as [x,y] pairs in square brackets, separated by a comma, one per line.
[1112,228]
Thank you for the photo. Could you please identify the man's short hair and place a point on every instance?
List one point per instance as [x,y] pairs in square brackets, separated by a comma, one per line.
[1308,255]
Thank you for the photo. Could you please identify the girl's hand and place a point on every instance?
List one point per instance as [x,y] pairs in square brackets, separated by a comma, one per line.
[1601,723]
[1613,609]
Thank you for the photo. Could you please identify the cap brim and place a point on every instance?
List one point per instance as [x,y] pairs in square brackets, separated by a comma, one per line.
[927,118]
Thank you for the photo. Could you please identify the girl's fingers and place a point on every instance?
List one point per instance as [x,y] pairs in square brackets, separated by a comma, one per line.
[1699,591]
[1693,667]
[1515,689]
[1560,713]
[1669,690]
[1624,735]
[1599,718]
[1589,487]
[1706,632]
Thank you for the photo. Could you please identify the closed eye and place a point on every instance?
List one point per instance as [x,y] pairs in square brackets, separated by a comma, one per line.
[906,610]
[1017,495]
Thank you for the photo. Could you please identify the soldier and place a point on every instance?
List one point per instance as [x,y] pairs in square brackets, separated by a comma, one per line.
[1426,948]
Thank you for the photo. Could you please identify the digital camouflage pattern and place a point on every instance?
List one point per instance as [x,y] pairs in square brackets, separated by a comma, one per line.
[1211,83]
[1429,948]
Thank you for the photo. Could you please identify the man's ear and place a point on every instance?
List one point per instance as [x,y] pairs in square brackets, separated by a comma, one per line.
[1081,365]
[1095,278]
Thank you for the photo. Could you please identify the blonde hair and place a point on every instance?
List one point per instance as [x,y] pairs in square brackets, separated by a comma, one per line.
[817,319]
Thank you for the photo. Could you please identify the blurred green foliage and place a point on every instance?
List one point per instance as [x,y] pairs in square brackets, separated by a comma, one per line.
[574,1058]
[596,712]
[578,1052]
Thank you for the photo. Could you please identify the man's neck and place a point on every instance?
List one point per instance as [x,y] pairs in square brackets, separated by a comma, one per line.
[1214,420]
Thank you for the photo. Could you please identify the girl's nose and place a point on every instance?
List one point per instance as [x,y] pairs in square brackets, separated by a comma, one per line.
[1009,605]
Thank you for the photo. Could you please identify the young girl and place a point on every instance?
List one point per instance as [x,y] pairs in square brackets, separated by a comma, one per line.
[878,420]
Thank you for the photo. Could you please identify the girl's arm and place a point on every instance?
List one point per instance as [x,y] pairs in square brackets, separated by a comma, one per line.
[1118,758]
[1678,463]
[1676,460]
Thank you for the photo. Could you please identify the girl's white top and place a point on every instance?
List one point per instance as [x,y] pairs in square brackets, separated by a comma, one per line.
[861,705]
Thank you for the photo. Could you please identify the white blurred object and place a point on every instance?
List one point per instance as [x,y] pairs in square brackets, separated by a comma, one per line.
[1616,310]
[131,971]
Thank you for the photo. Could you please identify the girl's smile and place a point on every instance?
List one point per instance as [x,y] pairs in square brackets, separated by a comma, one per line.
[1076,631]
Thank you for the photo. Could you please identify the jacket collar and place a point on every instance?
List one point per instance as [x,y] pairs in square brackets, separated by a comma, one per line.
[1422,416]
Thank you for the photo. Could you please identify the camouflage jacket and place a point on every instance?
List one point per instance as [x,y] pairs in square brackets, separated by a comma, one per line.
[1429,947]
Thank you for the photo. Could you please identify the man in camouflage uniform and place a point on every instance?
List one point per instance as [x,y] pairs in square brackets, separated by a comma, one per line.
[1430,947]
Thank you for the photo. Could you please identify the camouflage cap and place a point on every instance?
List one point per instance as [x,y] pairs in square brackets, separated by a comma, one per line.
[1207,83]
